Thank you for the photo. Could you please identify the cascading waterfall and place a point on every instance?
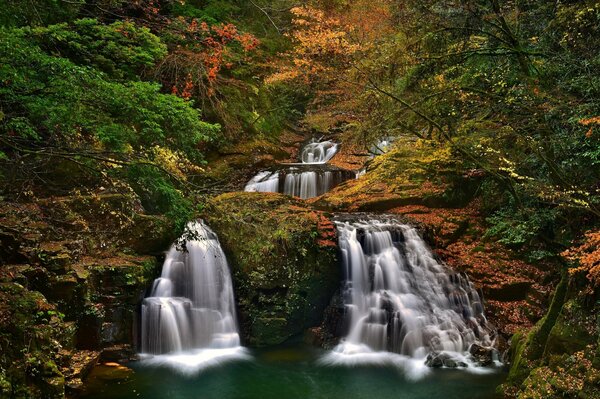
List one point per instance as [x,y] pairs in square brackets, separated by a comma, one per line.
[264,182]
[319,152]
[401,304]
[188,320]
[307,180]
[303,184]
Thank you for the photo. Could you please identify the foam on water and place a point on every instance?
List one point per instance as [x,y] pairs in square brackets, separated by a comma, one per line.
[195,361]
[319,152]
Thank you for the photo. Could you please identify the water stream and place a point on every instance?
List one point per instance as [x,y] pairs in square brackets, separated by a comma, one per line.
[403,308]
[293,372]
[188,320]
[319,152]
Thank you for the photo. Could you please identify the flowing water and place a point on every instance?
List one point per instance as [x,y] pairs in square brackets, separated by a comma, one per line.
[299,182]
[188,321]
[319,152]
[402,304]
[311,178]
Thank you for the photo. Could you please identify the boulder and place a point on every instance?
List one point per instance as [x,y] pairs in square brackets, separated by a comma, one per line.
[443,359]
[483,356]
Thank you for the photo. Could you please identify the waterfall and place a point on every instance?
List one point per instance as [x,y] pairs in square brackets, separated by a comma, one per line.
[188,321]
[319,152]
[401,301]
[264,182]
[311,178]
[382,146]
[298,183]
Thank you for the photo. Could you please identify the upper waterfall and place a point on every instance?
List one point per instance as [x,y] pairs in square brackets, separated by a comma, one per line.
[189,318]
[319,152]
[309,179]
[401,300]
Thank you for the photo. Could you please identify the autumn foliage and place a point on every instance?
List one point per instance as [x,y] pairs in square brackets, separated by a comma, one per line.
[321,45]
[587,256]
[204,51]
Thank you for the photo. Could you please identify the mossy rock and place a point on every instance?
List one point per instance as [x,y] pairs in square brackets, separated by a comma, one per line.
[412,173]
[559,357]
[116,286]
[568,334]
[32,332]
[283,258]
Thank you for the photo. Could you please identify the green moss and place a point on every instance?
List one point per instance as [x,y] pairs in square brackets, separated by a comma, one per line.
[32,332]
[283,259]
[559,357]
[567,334]
[529,349]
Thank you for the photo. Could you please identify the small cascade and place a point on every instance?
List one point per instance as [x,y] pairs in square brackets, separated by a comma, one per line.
[400,300]
[319,152]
[293,181]
[189,320]
[264,182]
[382,146]
[309,179]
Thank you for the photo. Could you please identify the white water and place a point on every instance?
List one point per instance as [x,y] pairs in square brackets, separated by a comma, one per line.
[382,146]
[296,183]
[401,303]
[189,320]
[319,152]
[264,182]
[304,184]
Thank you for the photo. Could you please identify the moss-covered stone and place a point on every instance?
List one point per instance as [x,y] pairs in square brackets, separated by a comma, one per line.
[558,357]
[569,335]
[284,262]
[32,332]
[70,280]
[116,285]
[413,172]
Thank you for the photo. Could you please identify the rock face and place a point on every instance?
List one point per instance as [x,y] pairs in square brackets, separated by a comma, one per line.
[284,262]
[72,273]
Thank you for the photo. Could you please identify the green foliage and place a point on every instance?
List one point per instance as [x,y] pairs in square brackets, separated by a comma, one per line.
[66,103]
[39,12]
[522,227]
[121,49]
[211,12]
[159,195]
[513,99]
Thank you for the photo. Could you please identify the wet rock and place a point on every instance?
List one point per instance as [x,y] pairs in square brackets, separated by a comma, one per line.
[314,336]
[80,364]
[437,360]
[434,360]
[118,354]
[483,356]
[335,322]
[111,371]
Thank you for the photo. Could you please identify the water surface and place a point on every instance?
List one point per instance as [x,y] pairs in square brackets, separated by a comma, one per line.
[295,373]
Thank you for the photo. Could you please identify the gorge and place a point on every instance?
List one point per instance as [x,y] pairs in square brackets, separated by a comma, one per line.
[328,199]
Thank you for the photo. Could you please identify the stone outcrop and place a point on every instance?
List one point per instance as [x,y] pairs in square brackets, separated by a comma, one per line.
[283,260]
[72,273]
